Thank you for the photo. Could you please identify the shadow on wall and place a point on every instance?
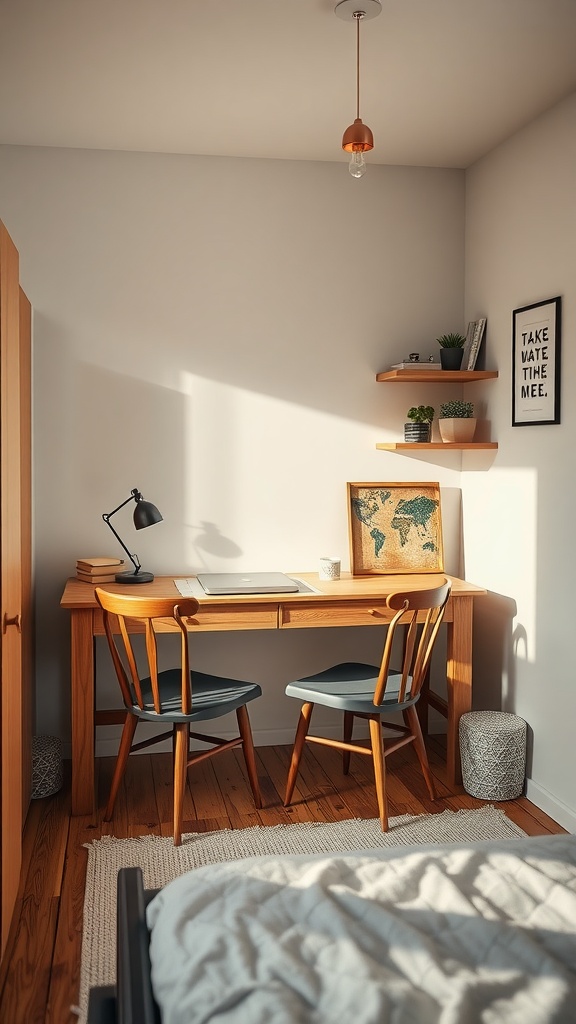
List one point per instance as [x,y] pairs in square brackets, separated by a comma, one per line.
[495,645]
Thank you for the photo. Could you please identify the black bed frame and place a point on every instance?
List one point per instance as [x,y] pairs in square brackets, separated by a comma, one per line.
[130,1000]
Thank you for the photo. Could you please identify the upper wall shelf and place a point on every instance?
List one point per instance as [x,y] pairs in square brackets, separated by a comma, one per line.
[435,376]
[395,446]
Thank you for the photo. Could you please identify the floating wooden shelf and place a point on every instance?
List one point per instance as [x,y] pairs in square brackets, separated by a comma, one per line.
[425,376]
[394,446]
[435,376]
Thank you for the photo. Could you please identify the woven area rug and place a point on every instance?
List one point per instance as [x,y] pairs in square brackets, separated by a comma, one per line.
[161,862]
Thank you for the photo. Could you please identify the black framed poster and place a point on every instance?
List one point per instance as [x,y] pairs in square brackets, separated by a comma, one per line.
[536,363]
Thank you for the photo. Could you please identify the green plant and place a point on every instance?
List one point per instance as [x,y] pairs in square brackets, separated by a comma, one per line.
[421,414]
[456,410]
[451,340]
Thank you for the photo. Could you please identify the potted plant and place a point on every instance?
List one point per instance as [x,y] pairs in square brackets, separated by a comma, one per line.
[451,350]
[420,427]
[456,422]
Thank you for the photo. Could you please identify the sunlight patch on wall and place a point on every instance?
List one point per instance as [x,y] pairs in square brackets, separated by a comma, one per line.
[500,518]
[257,471]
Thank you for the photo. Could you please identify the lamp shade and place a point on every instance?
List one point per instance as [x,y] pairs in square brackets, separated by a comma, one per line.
[357,138]
[145,514]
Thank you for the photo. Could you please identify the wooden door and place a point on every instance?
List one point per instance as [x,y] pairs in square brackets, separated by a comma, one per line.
[10,582]
[26,545]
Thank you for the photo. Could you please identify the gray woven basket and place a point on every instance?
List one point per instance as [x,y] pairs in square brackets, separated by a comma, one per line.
[493,754]
[46,766]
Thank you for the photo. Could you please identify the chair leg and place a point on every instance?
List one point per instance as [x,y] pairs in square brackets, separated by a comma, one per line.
[128,730]
[379,769]
[347,737]
[249,755]
[181,749]
[300,739]
[423,706]
[413,723]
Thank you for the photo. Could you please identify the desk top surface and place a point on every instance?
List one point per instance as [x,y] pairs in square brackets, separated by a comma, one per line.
[78,594]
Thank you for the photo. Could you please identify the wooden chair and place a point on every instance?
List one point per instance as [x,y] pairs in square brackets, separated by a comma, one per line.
[371,692]
[176,695]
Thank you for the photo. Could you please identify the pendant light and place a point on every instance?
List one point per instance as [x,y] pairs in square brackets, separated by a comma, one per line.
[357,138]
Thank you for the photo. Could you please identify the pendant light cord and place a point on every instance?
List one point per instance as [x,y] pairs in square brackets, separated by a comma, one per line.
[358,15]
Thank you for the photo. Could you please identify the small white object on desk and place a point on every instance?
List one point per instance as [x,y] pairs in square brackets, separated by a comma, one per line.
[329,568]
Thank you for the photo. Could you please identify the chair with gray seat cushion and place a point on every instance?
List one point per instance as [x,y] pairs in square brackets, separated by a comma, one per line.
[371,692]
[176,696]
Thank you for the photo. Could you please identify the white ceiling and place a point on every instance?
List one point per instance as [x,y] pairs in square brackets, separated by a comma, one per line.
[442,81]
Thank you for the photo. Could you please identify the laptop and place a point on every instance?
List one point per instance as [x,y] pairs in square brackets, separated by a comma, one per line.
[247,583]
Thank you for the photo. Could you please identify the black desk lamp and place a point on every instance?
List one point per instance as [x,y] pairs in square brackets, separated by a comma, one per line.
[145,514]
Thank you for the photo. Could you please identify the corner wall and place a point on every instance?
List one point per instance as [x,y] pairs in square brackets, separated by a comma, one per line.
[518,519]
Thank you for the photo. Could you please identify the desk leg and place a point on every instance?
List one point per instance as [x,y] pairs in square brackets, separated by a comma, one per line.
[82,704]
[459,682]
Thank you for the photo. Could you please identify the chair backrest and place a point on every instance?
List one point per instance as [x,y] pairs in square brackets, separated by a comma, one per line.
[148,615]
[420,613]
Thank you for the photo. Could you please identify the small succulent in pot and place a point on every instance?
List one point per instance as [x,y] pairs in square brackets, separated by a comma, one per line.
[457,410]
[451,340]
[451,350]
[456,422]
[418,431]
[420,414]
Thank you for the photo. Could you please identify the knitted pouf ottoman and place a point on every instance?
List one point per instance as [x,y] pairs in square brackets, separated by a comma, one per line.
[493,754]
[46,766]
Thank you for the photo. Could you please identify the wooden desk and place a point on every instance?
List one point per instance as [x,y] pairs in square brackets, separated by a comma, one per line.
[349,601]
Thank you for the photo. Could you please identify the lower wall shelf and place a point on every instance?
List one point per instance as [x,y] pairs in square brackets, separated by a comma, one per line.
[395,446]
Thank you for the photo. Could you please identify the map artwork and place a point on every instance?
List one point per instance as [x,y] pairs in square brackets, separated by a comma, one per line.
[395,528]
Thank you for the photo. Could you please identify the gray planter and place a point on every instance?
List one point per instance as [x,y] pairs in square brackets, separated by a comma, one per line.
[417,433]
[451,358]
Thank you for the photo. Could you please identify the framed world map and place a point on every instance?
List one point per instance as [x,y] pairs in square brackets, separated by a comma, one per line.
[395,528]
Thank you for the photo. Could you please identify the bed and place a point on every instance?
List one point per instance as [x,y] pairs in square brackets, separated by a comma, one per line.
[434,934]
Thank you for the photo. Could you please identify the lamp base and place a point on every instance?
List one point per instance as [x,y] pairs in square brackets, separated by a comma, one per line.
[134,577]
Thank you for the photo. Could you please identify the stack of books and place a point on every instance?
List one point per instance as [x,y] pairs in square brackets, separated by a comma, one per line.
[98,570]
[415,364]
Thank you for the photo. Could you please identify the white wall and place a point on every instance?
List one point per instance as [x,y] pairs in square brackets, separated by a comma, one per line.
[209,330]
[518,519]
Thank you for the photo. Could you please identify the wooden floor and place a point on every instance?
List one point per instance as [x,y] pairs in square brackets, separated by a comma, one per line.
[40,972]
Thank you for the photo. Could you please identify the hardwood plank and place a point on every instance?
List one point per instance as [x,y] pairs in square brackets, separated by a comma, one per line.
[141,796]
[164,788]
[65,975]
[206,795]
[236,794]
[544,820]
[275,761]
[25,992]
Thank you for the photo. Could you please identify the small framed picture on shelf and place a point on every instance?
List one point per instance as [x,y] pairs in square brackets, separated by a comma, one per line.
[394,528]
[474,338]
[536,331]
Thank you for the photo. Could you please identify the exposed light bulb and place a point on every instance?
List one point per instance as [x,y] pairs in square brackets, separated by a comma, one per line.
[357,164]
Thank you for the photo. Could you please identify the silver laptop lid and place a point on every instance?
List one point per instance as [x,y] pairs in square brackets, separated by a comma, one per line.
[247,583]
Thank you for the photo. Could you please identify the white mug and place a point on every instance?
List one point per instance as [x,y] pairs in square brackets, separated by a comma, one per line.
[329,568]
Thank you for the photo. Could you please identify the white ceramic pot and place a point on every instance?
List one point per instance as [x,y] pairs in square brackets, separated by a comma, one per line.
[457,430]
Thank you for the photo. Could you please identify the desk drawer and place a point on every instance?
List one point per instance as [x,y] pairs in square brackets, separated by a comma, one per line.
[209,618]
[333,613]
[235,616]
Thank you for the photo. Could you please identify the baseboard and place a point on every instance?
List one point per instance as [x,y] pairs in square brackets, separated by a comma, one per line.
[560,812]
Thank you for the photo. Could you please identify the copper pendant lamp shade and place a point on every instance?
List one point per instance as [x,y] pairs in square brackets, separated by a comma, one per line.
[357,138]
